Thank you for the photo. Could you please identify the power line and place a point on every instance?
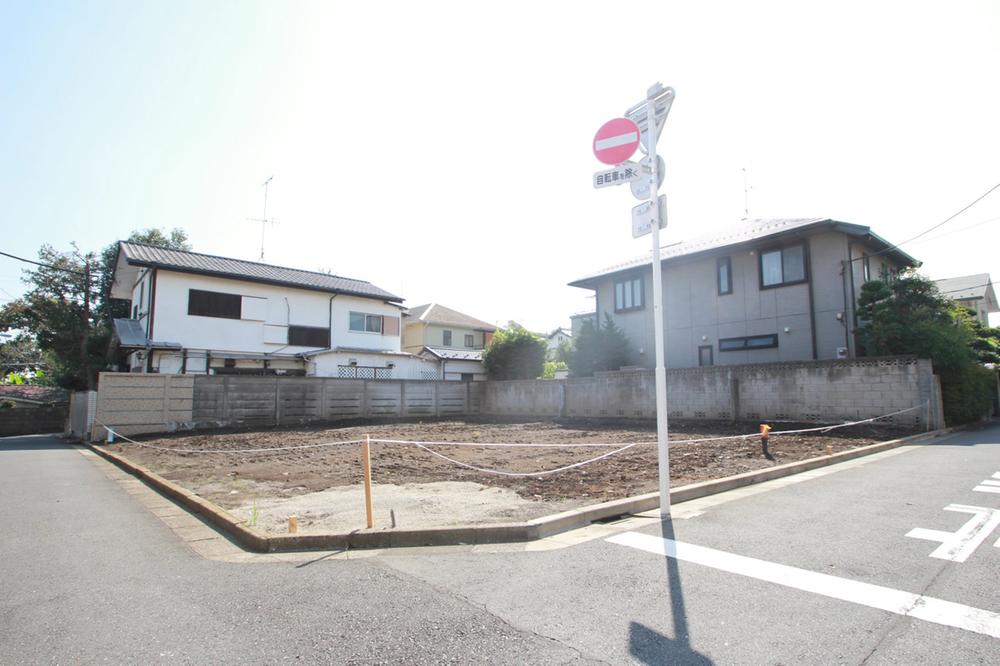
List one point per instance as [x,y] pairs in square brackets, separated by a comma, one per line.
[55,268]
[939,224]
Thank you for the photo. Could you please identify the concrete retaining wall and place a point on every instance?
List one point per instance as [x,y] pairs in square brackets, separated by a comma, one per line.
[33,420]
[150,403]
[821,392]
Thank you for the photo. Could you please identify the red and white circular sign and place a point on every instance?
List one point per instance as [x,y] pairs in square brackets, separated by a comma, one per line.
[616,141]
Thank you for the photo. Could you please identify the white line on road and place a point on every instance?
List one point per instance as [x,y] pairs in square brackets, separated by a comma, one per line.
[959,545]
[874,596]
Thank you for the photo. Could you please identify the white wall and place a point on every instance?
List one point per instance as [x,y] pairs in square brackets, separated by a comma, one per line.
[405,367]
[281,307]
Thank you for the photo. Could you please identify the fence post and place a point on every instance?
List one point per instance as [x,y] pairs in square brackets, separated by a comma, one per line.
[734,397]
[277,401]
[366,462]
[437,400]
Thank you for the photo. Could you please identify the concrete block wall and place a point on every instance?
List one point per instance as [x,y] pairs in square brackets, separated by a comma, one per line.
[135,403]
[821,392]
[150,403]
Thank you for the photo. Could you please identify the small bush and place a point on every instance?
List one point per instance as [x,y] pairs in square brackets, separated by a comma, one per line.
[514,353]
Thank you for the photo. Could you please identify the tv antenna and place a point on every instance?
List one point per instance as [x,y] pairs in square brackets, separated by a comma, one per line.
[263,220]
[746,194]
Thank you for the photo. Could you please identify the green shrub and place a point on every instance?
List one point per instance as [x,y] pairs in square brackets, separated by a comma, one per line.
[514,353]
[967,393]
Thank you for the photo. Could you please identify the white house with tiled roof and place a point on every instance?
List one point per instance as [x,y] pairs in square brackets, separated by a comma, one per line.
[452,338]
[763,291]
[204,314]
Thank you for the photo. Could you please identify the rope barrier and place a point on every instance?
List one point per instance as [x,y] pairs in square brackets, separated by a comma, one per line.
[523,474]
[426,445]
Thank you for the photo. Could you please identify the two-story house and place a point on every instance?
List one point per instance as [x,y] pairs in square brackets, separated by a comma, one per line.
[974,292]
[764,291]
[204,314]
[453,339]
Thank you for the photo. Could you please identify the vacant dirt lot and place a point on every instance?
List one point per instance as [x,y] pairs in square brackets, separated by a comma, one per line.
[277,482]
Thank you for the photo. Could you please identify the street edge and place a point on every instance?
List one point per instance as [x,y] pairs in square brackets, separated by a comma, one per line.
[531,530]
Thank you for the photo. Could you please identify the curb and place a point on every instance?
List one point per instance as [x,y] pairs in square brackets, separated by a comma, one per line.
[531,530]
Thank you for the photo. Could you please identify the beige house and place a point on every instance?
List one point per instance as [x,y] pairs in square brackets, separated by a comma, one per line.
[974,292]
[454,339]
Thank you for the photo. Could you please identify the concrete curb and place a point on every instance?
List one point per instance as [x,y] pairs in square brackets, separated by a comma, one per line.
[481,534]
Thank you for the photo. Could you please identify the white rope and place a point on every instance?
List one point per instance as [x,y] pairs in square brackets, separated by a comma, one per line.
[424,445]
[523,474]
[576,445]
[235,451]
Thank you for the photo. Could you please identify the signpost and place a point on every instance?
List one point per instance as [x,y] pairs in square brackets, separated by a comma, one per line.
[647,118]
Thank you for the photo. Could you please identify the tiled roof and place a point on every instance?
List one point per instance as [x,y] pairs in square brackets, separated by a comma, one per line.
[456,354]
[749,231]
[137,254]
[433,313]
[965,287]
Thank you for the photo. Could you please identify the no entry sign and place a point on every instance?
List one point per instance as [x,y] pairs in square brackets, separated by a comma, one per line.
[616,141]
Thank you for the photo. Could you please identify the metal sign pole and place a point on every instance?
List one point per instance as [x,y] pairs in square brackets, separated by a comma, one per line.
[663,452]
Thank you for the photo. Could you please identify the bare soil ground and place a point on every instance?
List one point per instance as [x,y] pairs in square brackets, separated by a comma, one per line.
[272,485]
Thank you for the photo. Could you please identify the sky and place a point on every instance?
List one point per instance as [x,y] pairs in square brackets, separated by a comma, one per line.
[443,150]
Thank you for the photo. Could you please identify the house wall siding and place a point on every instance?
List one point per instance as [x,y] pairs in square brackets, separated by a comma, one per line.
[284,306]
[695,314]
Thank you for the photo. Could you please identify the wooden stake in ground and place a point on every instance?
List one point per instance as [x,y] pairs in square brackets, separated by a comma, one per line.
[366,461]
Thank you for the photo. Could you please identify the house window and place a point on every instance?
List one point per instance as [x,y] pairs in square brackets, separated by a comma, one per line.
[446,338]
[705,355]
[628,294]
[308,336]
[749,342]
[469,340]
[866,267]
[366,323]
[725,274]
[214,304]
[783,266]
[468,377]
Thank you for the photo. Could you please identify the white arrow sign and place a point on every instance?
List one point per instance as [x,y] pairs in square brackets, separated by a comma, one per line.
[626,172]
[642,217]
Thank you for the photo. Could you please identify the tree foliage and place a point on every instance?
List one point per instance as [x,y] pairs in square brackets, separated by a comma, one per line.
[599,348]
[67,309]
[514,353]
[909,316]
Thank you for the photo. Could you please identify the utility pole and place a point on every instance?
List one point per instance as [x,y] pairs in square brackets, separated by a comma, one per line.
[85,327]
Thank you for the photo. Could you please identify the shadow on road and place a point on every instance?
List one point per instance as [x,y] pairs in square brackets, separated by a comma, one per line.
[32,443]
[651,647]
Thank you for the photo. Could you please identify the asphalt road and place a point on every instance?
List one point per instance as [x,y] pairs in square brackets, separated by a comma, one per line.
[89,575]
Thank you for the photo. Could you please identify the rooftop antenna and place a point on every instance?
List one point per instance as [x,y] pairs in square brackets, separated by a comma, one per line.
[263,220]
[746,195]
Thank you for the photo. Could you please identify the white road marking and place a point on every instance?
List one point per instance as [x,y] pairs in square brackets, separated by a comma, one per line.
[620,140]
[903,603]
[989,486]
[959,545]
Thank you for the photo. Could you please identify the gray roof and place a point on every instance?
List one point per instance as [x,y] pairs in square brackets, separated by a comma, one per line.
[433,313]
[137,254]
[965,287]
[750,232]
[131,334]
[456,354]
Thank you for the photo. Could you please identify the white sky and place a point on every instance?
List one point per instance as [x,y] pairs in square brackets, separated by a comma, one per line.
[443,150]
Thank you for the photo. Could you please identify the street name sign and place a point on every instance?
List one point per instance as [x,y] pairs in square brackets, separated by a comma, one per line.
[616,141]
[626,172]
[642,216]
